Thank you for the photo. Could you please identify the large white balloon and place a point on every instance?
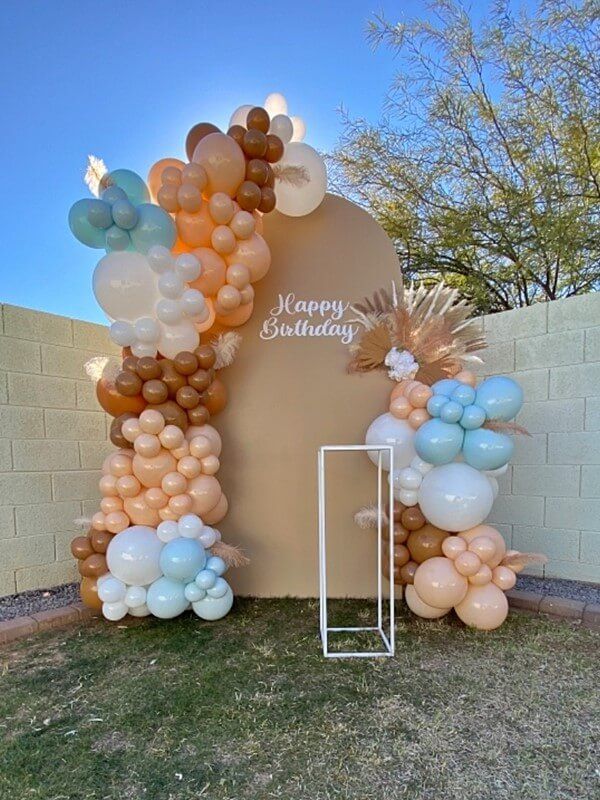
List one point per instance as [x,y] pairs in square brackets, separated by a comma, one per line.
[239,115]
[125,286]
[455,497]
[387,429]
[299,127]
[275,103]
[175,338]
[133,556]
[294,200]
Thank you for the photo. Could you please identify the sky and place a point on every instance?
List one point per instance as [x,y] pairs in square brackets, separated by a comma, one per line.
[126,79]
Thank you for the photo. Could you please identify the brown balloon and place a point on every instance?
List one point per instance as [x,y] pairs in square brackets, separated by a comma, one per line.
[257,171]
[185,363]
[385,568]
[237,132]
[171,378]
[148,368]
[270,182]
[258,119]
[249,196]
[81,547]
[128,383]
[412,518]
[400,534]
[173,414]
[187,397]
[201,379]
[155,392]
[398,509]
[130,362]
[199,415]
[401,555]
[267,201]
[215,397]
[114,403]
[100,540]
[206,356]
[426,543]
[93,566]
[116,435]
[254,144]
[88,590]
[407,572]
[198,132]
[274,148]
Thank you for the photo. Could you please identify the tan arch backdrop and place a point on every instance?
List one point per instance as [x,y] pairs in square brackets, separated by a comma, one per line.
[290,393]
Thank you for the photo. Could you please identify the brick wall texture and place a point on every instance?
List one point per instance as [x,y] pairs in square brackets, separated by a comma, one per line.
[54,437]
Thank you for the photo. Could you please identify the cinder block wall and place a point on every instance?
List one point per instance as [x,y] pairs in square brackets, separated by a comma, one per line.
[54,437]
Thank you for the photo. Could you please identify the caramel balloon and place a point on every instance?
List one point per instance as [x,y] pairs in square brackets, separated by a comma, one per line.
[224,162]
[114,403]
[100,540]
[156,171]
[215,397]
[173,414]
[93,566]
[205,491]
[196,134]
[81,547]
[412,518]
[426,543]
[88,591]
[116,433]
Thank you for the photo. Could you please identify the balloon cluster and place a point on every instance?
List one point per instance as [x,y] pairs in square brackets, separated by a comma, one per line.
[408,401]
[415,540]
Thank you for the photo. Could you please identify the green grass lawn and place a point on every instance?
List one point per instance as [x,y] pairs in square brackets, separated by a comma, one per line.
[247,708]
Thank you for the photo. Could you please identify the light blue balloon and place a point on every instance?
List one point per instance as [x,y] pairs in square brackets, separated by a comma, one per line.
[438,442]
[134,187]
[116,239]
[124,214]
[166,598]
[112,193]
[99,214]
[436,403]
[154,226]
[451,411]
[193,593]
[206,578]
[485,449]
[463,394]
[217,565]
[473,417]
[182,559]
[446,386]
[501,398]
[81,227]
[212,608]
[219,589]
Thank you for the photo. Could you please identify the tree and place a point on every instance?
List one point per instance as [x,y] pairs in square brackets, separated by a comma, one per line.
[485,169]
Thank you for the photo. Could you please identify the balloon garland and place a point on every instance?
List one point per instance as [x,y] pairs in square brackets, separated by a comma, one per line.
[183,253]
[450,441]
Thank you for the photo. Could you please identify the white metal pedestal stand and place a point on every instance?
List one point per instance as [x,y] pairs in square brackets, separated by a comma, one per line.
[388,640]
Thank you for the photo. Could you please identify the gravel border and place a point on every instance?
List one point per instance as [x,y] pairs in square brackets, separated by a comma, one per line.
[26,603]
[573,590]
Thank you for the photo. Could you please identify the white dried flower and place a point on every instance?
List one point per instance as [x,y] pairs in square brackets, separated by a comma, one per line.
[402,364]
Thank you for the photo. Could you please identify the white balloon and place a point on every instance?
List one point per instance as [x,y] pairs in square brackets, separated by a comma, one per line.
[297,201]
[133,555]
[169,311]
[114,611]
[193,302]
[111,590]
[208,536]
[168,530]
[190,526]
[188,266]
[421,466]
[239,115]
[125,286]
[171,285]
[140,611]
[408,478]
[299,129]
[122,333]
[495,486]
[175,338]
[135,596]
[418,607]
[281,125]
[408,497]
[141,349]
[275,103]
[387,429]
[160,258]
[455,497]
[147,330]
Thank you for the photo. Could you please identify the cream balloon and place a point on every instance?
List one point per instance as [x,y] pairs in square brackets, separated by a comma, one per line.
[239,116]
[125,286]
[439,584]
[455,497]
[275,103]
[418,607]
[282,127]
[483,607]
[299,129]
[294,200]
[224,162]
[177,338]
[387,429]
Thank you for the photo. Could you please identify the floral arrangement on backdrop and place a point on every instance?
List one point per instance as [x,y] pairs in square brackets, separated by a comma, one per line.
[183,253]
[451,441]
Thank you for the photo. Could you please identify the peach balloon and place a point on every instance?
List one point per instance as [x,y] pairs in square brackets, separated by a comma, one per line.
[152,421]
[173,483]
[116,521]
[516,567]
[171,437]
[108,486]
[108,504]
[243,224]
[151,471]
[181,451]
[210,465]
[490,533]
[254,253]
[166,513]
[238,275]
[211,434]
[419,396]
[240,316]
[418,607]
[228,299]
[221,208]
[195,229]
[140,513]
[213,272]
[189,197]
[205,492]
[99,521]
[155,498]
[211,316]
[467,563]
[224,162]
[156,170]
[223,240]
[131,429]
[190,466]
[180,504]
[466,376]
[400,407]
[484,547]
[481,577]
[483,607]
[504,578]
[258,219]
[119,464]
[418,417]
[247,294]
[216,514]
[438,583]
[398,390]
[147,445]
[128,486]
[453,546]
[200,447]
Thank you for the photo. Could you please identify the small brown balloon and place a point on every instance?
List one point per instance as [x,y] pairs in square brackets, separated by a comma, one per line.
[128,383]
[249,196]
[407,572]
[200,380]
[215,397]
[254,144]
[100,540]
[173,414]
[81,547]
[274,148]
[116,435]
[198,132]
[88,590]
[267,200]
[400,534]
[270,182]
[258,119]
[412,518]
[257,171]
[206,356]
[185,363]
[426,543]
[113,402]
[237,133]
[401,555]
[171,378]
[187,397]
[93,566]
[385,568]
[155,392]
[148,368]
[199,415]
[130,363]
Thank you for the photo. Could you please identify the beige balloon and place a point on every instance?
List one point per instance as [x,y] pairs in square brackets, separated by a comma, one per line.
[224,162]
[151,471]
[504,578]
[439,584]
[211,434]
[483,607]
[418,607]
[216,514]
[490,533]
[205,491]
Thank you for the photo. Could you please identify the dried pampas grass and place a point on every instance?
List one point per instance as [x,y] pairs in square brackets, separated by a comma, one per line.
[95,175]
[366,517]
[290,173]
[233,556]
[506,427]
[226,346]
[82,523]
[519,561]
[102,367]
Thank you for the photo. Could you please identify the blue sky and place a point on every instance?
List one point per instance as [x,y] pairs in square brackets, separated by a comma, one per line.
[126,80]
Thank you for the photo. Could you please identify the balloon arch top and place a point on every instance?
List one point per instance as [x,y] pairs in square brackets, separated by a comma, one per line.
[183,253]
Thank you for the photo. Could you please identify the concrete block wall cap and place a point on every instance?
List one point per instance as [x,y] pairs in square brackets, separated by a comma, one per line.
[17,628]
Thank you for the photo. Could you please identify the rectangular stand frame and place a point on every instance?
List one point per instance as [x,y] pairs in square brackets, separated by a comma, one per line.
[387,640]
